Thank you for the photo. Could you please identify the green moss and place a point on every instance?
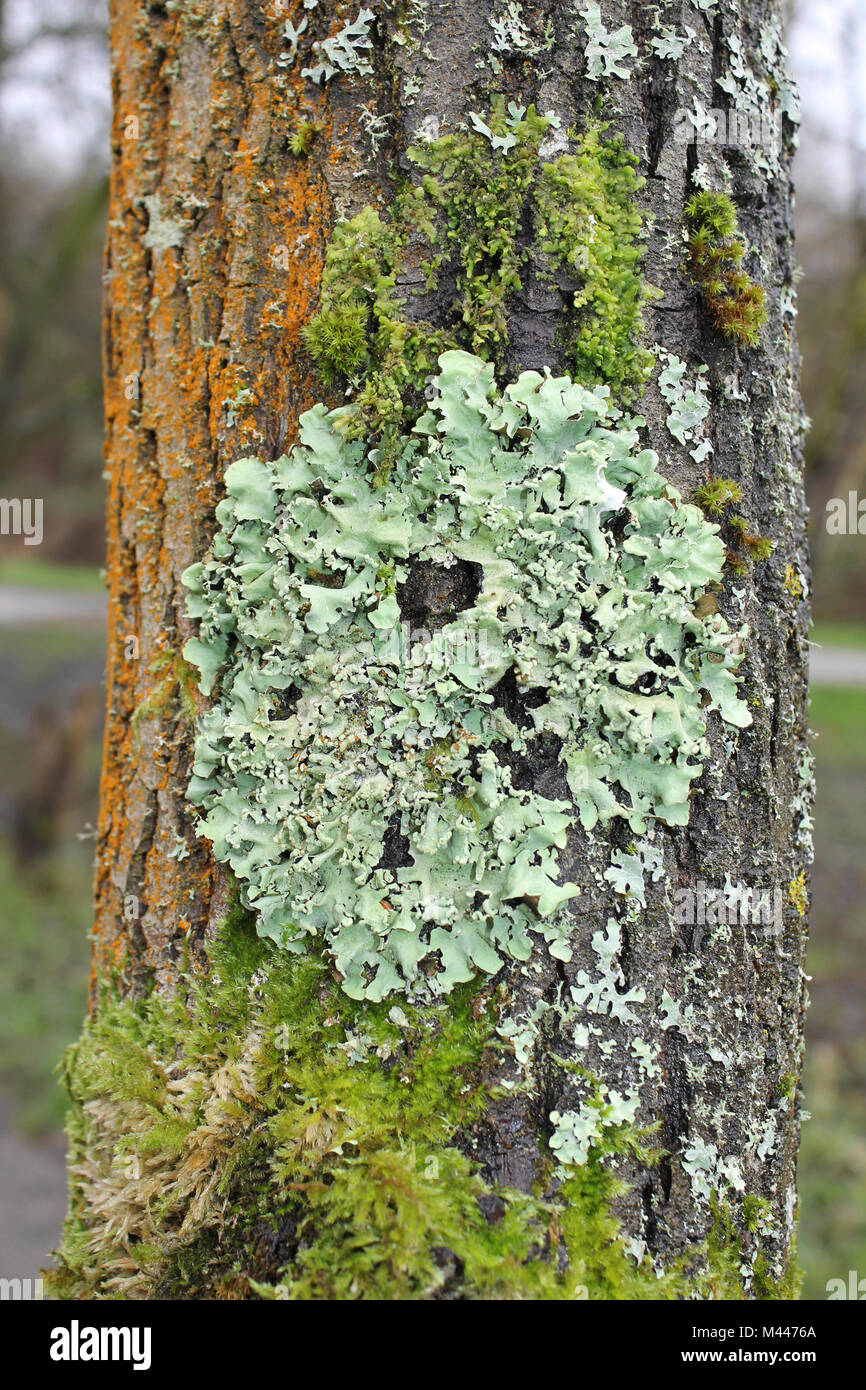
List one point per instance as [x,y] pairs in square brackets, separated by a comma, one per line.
[479,181]
[733,1245]
[731,297]
[361,336]
[483,206]
[744,546]
[590,222]
[754,547]
[260,1102]
[787,1287]
[715,495]
[303,135]
[337,339]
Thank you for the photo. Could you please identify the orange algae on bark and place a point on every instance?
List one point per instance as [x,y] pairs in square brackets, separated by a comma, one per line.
[213,260]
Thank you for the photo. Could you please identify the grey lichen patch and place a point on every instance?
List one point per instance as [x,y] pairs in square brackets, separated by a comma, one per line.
[689,405]
[358,781]
[668,44]
[347,51]
[628,867]
[606,49]
[762,101]
[512,35]
[163,232]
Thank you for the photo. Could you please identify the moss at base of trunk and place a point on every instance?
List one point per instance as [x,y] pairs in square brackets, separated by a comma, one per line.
[260,1135]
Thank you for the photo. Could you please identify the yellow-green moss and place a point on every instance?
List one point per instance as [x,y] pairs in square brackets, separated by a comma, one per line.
[303,135]
[744,547]
[590,223]
[261,1135]
[485,205]
[715,495]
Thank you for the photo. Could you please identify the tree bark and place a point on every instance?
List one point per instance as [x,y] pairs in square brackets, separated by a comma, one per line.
[217,240]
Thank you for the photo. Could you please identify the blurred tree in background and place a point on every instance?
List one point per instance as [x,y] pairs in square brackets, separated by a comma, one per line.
[53,198]
[831,184]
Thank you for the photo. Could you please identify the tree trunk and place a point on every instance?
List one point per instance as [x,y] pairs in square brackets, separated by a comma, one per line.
[558,1094]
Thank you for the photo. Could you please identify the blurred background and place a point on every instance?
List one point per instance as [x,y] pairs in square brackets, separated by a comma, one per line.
[54,115]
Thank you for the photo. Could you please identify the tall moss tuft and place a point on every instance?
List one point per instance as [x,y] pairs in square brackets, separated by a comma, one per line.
[734,301]
[590,223]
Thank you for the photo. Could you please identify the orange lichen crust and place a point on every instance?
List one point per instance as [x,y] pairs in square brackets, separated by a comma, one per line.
[215,248]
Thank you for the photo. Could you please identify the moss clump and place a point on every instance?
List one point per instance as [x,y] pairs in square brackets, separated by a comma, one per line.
[337,339]
[715,495]
[259,1134]
[732,1245]
[479,181]
[750,548]
[590,223]
[744,546]
[360,334]
[734,301]
[302,137]
[787,1287]
[483,207]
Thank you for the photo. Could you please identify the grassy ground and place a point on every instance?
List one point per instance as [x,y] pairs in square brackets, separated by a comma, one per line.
[50,719]
[839,634]
[42,574]
[833,1155]
[43,980]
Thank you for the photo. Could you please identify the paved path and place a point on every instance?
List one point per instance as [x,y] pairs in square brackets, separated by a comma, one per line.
[20,607]
[837,666]
[32,1201]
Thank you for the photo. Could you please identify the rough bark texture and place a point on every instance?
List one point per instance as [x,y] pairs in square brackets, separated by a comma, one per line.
[217,238]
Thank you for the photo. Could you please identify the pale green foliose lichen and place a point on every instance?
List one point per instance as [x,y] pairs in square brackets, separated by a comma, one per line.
[511,33]
[606,49]
[346,51]
[761,101]
[689,405]
[336,739]
[668,44]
